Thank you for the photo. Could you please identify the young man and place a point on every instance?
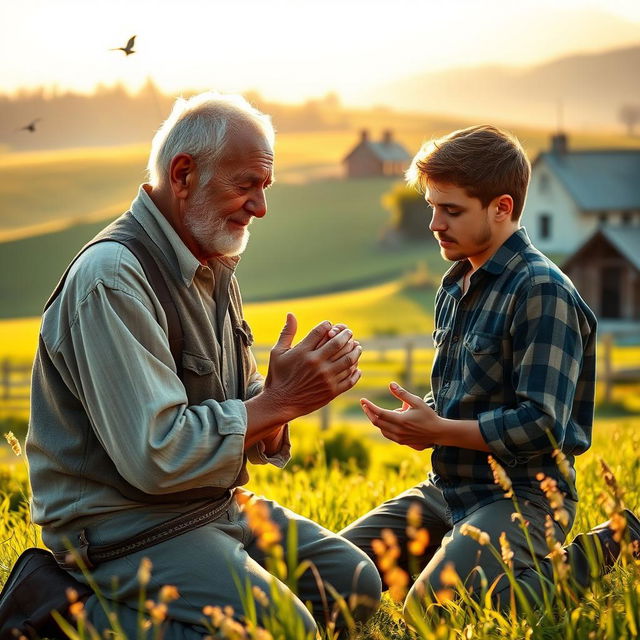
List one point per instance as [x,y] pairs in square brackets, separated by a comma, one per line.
[513,375]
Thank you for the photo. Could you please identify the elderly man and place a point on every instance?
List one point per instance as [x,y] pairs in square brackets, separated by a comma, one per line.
[139,439]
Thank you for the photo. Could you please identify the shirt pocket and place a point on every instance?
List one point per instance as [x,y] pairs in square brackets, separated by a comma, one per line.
[201,378]
[482,363]
[439,336]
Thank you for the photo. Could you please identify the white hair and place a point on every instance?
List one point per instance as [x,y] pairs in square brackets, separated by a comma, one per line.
[200,126]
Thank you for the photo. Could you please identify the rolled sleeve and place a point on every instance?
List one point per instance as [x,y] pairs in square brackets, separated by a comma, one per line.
[256,453]
[547,357]
[430,400]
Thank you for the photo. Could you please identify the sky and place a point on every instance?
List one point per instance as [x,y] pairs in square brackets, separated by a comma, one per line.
[290,50]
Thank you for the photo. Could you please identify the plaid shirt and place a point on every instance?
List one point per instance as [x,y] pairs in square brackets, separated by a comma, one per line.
[516,353]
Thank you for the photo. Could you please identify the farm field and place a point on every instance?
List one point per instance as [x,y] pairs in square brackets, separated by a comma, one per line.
[337,492]
[317,237]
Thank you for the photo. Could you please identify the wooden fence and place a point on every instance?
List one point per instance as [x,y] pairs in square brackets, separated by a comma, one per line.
[406,359]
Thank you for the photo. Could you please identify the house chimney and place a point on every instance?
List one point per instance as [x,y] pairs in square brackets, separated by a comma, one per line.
[364,135]
[559,144]
[386,136]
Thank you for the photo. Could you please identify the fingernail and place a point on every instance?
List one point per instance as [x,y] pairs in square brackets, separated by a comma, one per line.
[394,386]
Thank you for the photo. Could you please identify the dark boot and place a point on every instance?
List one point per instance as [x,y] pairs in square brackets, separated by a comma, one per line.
[591,555]
[610,538]
[35,587]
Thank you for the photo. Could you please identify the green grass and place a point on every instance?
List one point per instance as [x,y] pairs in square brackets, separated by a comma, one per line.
[317,237]
[336,494]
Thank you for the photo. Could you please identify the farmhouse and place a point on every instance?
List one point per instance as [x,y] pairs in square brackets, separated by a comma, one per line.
[573,193]
[384,158]
[606,271]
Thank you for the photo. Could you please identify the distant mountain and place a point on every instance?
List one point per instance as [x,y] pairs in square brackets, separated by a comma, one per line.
[590,88]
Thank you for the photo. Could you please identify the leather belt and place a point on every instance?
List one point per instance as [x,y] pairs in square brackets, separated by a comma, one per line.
[87,556]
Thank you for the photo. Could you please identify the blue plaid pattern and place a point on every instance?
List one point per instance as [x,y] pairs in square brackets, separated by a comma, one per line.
[516,353]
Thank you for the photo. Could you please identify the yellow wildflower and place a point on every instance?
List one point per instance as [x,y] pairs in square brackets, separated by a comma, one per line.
[260,596]
[397,580]
[14,442]
[500,477]
[144,571]
[481,537]
[168,593]
[444,595]
[555,498]
[72,594]
[505,550]
[214,614]
[414,515]
[418,542]
[563,465]
[449,576]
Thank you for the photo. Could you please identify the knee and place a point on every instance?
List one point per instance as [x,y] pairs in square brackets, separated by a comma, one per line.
[360,583]
[366,591]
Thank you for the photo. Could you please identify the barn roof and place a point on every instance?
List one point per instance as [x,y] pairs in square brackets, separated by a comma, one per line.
[385,151]
[625,239]
[598,179]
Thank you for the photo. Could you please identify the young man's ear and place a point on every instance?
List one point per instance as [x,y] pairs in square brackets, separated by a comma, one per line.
[182,175]
[502,208]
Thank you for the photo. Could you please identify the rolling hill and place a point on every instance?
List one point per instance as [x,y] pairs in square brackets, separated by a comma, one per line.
[591,88]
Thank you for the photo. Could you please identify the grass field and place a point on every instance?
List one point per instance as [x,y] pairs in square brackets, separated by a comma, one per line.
[317,237]
[337,493]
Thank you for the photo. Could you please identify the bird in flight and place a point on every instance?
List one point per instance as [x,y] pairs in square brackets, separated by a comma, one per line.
[128,50]
[31,126]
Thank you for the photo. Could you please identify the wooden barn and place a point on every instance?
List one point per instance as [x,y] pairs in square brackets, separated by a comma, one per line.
[574,192]
[606,271]
[384,158]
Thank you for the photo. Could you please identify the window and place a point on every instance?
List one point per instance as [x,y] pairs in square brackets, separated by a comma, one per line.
[545,226]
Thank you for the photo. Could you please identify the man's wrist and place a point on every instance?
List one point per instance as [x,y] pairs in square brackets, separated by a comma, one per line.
[272,407]
[464,434]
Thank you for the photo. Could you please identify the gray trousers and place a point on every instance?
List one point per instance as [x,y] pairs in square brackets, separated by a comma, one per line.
[202,564]
[448,546]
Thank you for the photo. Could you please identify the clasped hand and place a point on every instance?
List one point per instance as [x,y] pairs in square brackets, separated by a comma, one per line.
[320,367]
[415,424]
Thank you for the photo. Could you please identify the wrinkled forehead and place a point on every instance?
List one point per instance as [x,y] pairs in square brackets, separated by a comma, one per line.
[248,139]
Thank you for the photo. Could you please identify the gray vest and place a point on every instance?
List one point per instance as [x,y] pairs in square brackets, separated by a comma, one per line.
[197,361]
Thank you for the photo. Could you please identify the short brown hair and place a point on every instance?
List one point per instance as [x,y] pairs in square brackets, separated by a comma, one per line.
[484,160]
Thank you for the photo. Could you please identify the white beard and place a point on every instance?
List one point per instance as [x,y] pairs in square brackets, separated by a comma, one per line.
[212,234]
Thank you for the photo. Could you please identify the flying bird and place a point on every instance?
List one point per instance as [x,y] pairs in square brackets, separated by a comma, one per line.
[31,126]
[128,50]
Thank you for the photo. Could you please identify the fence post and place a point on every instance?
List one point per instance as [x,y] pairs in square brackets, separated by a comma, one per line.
[408,366]
[6,379]
[325,418]
[607,348]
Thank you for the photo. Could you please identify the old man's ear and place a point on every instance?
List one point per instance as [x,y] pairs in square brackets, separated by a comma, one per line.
[182,175]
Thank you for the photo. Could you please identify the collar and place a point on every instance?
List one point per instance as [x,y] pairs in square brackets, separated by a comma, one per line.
[512,246]
[169,242]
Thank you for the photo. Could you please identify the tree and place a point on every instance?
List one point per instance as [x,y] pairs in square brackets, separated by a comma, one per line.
[629,115]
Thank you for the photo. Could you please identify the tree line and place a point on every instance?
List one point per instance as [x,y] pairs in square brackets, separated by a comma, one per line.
[115,116]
